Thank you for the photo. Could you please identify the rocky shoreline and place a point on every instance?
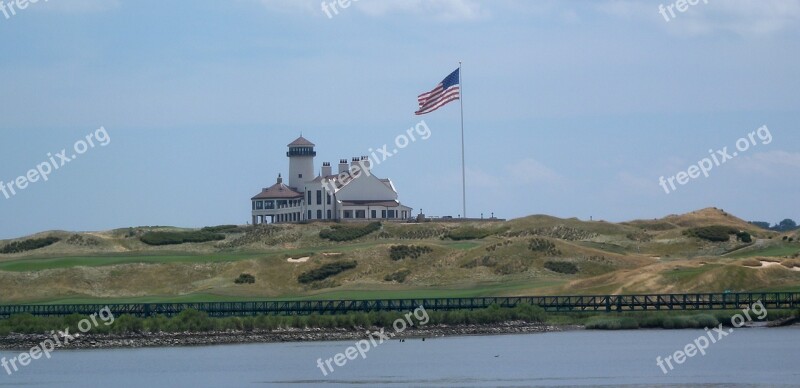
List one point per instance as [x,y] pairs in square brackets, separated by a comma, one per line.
[15,341]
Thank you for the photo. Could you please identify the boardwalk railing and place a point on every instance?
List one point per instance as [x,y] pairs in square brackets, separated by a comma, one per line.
[575,303]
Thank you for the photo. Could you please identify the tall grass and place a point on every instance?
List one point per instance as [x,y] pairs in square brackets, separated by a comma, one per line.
[196,321]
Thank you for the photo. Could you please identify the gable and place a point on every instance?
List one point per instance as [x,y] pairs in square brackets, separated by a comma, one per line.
[366,188]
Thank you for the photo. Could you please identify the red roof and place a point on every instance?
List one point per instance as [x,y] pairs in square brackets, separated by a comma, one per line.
[301,141]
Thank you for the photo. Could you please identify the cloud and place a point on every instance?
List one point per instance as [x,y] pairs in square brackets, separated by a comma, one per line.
[523,172]
[451,10]
[448,10]
[308,6]
[742,17]
[773,163]
[529,171]
[78,6]
[636,184]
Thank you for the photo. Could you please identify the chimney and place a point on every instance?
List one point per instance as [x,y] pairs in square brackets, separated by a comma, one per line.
[326,169]
[343,166]
[366,163]
[280,180]
[354,161]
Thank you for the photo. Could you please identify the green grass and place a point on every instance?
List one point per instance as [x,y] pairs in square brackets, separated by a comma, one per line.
[685,274]
[38,264]
[778,250]
[457,291]
[613,248]
[463,245]
[463,291]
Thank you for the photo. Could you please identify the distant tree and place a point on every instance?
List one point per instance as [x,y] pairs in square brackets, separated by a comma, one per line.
[761,224]
[786,225]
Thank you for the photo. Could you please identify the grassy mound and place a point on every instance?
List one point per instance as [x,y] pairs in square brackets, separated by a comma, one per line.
[471,233]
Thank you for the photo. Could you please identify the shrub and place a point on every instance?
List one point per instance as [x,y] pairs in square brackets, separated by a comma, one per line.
[399,276]
[611,323]
[347,233]
[225,229]
[561,267]
[80,240]
[715,233]
[400,252]
[245,278]
[469,233]
[172,238]
[29,245]
[486,261]
[545,246]
[744,237]
[326,271]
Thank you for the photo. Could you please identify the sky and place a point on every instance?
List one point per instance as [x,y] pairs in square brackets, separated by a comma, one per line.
[571,108]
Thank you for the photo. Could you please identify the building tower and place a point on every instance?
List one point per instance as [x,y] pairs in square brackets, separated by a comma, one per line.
[301,162]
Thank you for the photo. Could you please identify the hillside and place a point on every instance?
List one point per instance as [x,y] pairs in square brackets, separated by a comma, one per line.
[532,255]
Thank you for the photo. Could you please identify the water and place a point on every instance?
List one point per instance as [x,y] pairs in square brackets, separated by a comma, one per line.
[746,357]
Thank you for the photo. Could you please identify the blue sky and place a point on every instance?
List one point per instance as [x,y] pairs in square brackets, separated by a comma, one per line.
[572,108]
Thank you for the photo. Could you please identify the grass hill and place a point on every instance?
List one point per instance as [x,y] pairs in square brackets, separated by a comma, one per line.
[532,255]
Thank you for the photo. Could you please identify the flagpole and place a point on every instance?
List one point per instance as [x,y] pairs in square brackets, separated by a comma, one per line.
[463,168]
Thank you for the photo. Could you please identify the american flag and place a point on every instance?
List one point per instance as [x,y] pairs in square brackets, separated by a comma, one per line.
[444,92]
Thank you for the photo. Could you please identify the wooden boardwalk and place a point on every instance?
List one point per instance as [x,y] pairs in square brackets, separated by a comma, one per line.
[573,303]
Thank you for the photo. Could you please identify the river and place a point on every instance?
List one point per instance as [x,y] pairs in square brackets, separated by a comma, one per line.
[745,357]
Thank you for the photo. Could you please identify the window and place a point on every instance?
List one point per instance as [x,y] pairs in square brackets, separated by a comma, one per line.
[254,205]
[329,200]
[391,214]
[308,201]
[319,197]
[309,215]
[259,205]
[383,213]
[374,214]
[299,175]
[319,214]
[348,214]
[361,214]
[269,204]
[329,213]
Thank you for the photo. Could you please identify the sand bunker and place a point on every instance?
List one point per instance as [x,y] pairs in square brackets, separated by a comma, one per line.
[767,264]
[300,260]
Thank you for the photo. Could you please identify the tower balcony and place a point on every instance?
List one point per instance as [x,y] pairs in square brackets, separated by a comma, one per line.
[301,151]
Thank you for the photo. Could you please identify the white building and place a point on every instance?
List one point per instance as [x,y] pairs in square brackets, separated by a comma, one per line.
[352,194]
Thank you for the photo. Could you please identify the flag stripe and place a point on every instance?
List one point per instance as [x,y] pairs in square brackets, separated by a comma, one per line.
[451,92]
[451,95]
[444,92]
